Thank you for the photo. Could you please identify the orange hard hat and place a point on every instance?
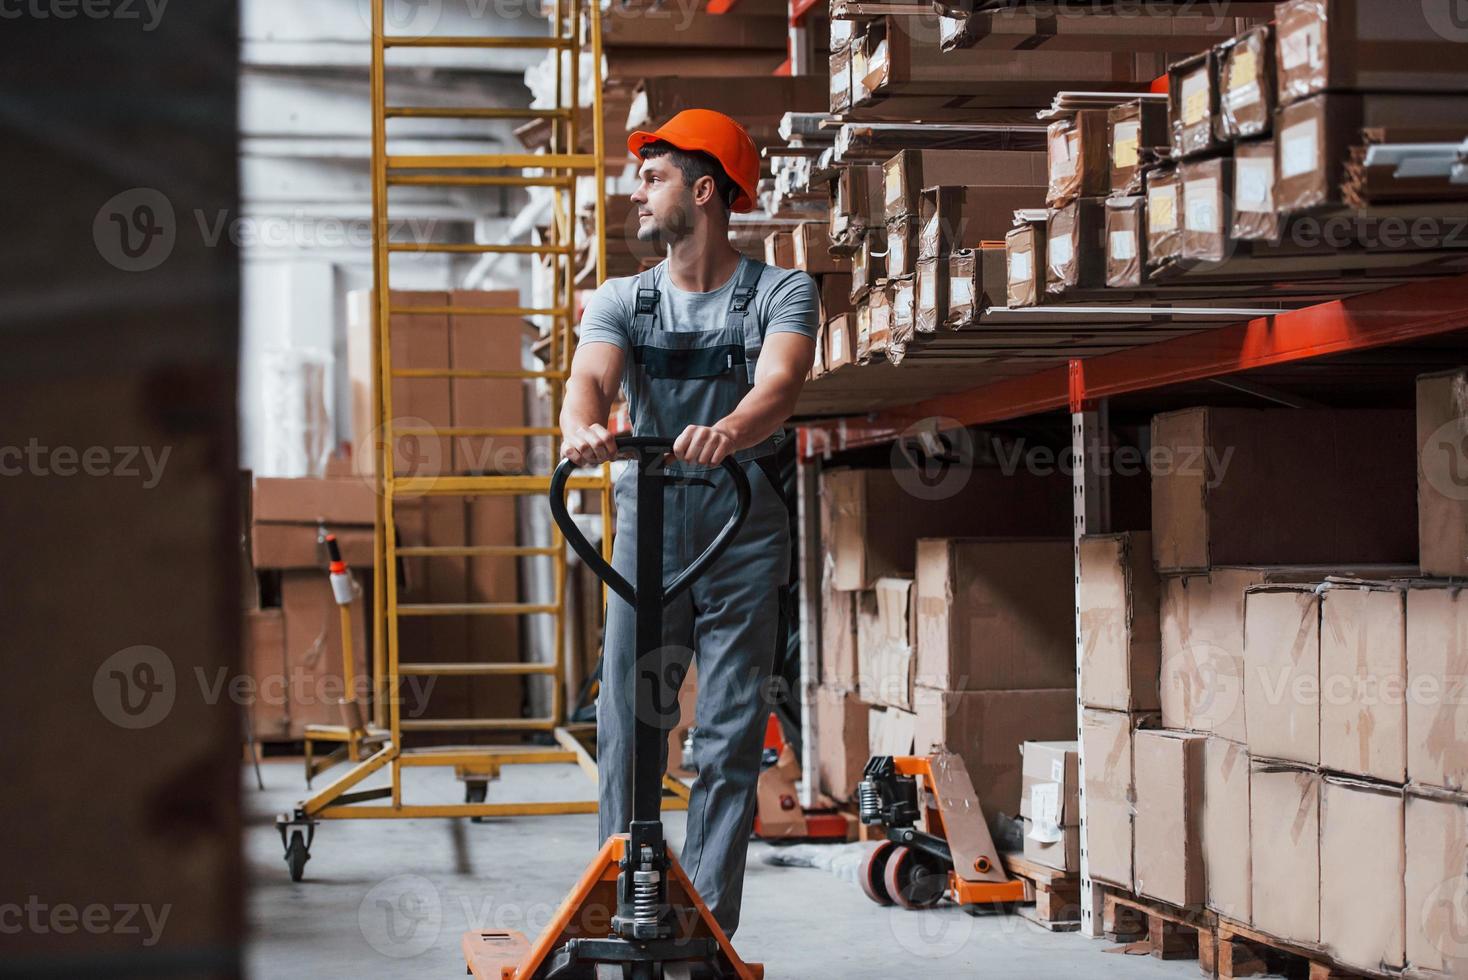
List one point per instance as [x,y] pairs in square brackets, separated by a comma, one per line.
[717,135]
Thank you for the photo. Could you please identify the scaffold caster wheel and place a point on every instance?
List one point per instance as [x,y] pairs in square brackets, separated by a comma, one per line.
[914,880]
[874,871]
[296,836]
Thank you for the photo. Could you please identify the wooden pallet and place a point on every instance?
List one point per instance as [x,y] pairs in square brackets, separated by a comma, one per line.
[1057,894]
[1223,948]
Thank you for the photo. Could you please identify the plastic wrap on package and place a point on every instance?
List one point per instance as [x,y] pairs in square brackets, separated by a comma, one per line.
[1164,217]
[1025,260]
[1207,208]
[932,294]
[1138,134]
[1246,84]
[1255,217]
[1126,246]
[1192,105]
[901,244]
[901,296]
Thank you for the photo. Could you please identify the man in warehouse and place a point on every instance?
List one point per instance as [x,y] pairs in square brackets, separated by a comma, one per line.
[712,348]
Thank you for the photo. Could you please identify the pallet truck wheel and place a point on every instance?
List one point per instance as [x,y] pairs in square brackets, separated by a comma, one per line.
[873,872]
[913,882]
[296,855]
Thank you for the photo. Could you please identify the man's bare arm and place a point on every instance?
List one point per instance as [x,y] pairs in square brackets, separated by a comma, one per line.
[783,365]
[596,373]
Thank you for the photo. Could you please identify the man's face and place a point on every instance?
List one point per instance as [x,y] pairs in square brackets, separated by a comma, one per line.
[664,202]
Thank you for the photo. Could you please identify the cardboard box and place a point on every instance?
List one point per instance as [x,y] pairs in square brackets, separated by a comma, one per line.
[1442,480]
[780,249]
[1192,104]
[877,520]
[1363,678]
[312,500]
[835,294]
[490,343]
[313,649]
[1362,873]
[1282,672]
[868,266]
[1368,46]
[1106,743]
[908,172]
[874,331]
[1314,138]
[955,217]
[1436,887]
[1284,851]
[1018,29]
[843,743]
[838,638]
[1168,772]
[1164,216]
[890,731]
[1118,599]
[976,282]
[1246,98]
[986,729]
[901,245]
[1126,242]
[1026,262]
[857,206]
[1139,132]
[885,631]
[1207,209]
[641,26]
[264,648]
[1437,686]
[299,546]
[931,287]
[812,249]
[1049,804]
[840,81]
[995,614]
[1261,486]
[1226,828]
[840,342]
[1254,215]
[1078,156]
[1075,247]
[902,291]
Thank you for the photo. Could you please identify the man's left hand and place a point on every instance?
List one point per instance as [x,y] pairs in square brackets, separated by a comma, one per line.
[705,445]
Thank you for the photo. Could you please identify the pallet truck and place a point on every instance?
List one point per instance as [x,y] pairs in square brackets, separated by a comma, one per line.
[779,818]
[634,914]
[952,855]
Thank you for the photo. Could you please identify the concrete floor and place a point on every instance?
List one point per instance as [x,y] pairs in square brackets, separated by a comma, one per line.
[391,898]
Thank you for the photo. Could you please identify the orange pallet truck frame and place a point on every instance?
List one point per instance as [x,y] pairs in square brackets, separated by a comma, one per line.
[953,857]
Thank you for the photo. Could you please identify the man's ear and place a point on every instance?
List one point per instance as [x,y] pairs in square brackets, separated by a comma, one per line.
[704,189]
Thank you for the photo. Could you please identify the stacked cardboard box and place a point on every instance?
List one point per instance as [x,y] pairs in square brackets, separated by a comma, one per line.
[1049,804]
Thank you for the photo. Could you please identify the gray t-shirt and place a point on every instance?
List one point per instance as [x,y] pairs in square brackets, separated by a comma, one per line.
[786,300]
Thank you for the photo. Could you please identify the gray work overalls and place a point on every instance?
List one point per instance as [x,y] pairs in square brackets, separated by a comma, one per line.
[731,618]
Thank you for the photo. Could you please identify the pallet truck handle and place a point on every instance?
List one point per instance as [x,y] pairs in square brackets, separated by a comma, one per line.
[646,446]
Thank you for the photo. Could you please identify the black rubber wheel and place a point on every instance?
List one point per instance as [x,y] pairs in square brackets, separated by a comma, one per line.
[476,792]
[296,855]
[914,880]
[874,870]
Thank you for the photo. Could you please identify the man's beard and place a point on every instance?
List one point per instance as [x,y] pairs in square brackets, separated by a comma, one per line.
[671,230]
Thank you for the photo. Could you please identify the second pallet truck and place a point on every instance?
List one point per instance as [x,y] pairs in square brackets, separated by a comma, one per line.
[658,925]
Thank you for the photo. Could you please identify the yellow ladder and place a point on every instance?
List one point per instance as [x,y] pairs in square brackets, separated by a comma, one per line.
[575,28]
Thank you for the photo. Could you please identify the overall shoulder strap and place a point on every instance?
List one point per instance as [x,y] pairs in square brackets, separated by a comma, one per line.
[645,305]
[744,292]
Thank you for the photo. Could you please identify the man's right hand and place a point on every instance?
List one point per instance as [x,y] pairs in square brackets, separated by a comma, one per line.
[589,445]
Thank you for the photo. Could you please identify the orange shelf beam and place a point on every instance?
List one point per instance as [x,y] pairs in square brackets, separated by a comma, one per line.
[1390,316]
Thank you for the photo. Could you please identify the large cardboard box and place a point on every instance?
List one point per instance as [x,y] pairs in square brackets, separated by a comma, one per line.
[1362,873]
[1263,486]
[840,341]
[1284,849]
[1226,865]
[1138,130]
[884,643]
[1192,104]
[838,637]
[951,217]
[780,249]
[1246,98]
[302,546]
[890,731]
[1169,816]
[1436,887]
[1078,157]
[878,515]
[1106,745]
[1442,476]
[986,729]
[906,174]
[995,614]
[264,643]
[812,249]
[1255,217]
[1025,254]
[1207,209]
[975,283]
[490,343]
[843,744]
[1126,242]
[1282,672]
[1049,803]
[1369,46]
[1363,681]
[313,650]
[313,500]
[1437,687]
[1075,247]
[1121,641]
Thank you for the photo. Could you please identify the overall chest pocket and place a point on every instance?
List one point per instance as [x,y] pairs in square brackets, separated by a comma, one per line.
[711,361]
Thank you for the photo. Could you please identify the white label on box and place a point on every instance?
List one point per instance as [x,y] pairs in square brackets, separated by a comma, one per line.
[1060,251]
[960,292]
[1057,770]
[838,344]
[894,183]
[927,292]
[1021,267]
[1123,246]
[1301,45]
[1200,201]
[1162,208]
[896,251]
[1045,813]
[1297,148]
[1124,144]
[1254,183]
[841,83]
[1195,97]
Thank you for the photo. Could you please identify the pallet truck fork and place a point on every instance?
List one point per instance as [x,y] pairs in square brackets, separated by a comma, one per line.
[634,914]
[954,857]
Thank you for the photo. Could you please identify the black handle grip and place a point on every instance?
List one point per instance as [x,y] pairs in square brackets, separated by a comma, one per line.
[645,446]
